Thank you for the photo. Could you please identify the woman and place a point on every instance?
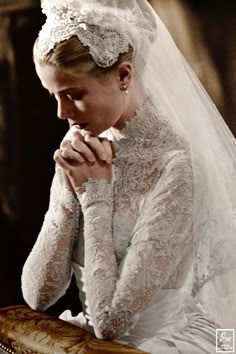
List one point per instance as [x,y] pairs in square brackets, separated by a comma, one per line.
[134,212]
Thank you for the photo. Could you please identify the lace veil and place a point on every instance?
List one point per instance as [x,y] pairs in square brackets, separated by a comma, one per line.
[108,28]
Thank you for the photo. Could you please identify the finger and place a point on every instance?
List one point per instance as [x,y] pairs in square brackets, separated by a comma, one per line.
[108,149]
[77,134]
[113,148]
[69,153]
[64,144]
[82,148]
[96,145]
[71,132]
[59,159]
[67,166]
[72,155]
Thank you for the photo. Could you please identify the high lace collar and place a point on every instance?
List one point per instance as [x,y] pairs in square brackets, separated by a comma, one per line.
[141,124]
[146,135]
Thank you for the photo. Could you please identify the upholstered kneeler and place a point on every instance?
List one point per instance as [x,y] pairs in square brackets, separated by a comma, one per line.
[24,331]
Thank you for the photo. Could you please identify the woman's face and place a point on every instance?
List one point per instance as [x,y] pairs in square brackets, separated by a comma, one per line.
[83,100]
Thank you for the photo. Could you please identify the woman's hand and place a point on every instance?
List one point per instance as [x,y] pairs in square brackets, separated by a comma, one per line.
[79,173]
[81,146]
[82,156]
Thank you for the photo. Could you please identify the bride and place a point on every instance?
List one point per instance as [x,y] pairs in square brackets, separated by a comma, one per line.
[142,204]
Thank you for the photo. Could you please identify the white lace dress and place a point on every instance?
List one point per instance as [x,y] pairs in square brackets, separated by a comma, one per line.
[129,245]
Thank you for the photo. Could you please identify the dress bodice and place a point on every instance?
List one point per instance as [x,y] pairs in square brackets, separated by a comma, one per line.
[146,147]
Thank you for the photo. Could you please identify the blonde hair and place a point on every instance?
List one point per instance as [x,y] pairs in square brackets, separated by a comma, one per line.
[71,56]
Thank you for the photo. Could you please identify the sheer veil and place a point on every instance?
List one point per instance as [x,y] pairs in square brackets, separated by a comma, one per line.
[179,96]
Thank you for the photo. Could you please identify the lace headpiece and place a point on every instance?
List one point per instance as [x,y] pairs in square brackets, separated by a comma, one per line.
[67,18]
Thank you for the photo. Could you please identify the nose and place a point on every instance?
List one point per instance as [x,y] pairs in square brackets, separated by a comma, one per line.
[65,108]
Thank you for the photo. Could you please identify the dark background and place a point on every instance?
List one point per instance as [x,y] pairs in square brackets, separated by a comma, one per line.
[30,131]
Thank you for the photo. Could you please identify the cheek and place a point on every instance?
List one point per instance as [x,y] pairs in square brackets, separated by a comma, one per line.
[105,108]
[80,106]
[113,113]
[108,107]
[115,104]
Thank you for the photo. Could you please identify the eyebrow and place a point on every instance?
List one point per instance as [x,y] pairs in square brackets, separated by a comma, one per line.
[69,89]
[73,89]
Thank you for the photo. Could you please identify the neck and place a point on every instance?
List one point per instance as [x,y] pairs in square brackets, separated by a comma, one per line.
[132,101]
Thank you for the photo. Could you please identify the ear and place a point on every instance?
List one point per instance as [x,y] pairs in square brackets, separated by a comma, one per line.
[124,74]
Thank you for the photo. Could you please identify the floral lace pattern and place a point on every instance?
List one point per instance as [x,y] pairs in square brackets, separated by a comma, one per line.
[151,210]
[137,232]
[57,234]
[77,19]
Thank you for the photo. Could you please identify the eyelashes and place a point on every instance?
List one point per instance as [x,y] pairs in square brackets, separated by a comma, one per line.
[75,96]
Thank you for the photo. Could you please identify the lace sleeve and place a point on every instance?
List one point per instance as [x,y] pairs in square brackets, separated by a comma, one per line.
[160,239]
[47,271]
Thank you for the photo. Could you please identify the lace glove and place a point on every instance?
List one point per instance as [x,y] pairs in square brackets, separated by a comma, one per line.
[47,271]
[160,240]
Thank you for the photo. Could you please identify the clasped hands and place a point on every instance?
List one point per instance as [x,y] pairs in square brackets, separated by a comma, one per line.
[82,156]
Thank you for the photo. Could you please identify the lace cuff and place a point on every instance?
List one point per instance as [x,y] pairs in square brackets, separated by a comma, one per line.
[94,192]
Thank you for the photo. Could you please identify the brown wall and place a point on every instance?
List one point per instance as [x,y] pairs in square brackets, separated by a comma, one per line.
[29,134]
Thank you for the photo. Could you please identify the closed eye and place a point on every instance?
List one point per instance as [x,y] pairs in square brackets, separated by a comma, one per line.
[75,96]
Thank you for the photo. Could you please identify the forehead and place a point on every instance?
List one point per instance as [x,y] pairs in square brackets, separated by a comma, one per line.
[54,80]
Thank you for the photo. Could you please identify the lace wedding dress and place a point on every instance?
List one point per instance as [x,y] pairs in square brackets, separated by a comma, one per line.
[129,244]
